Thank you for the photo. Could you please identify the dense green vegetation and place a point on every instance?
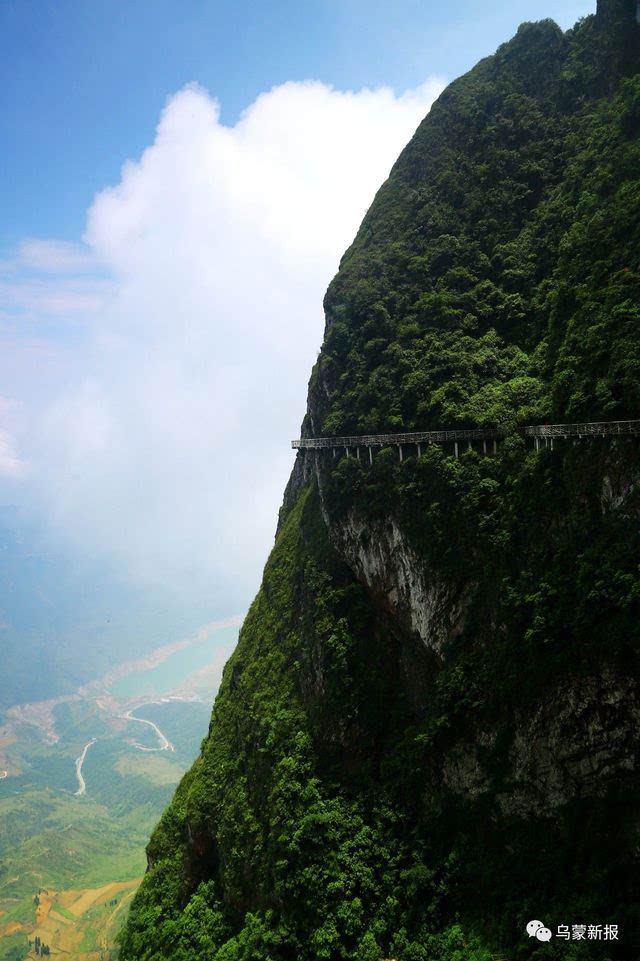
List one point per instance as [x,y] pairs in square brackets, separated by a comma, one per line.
[496,278]
[363,792]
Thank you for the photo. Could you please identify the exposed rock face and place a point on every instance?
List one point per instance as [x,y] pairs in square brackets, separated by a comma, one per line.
[579,741]
[617,487]
[573,746]
[582,735]
[381,558]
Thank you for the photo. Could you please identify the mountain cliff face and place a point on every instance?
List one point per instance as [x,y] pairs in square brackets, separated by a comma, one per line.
[428,733]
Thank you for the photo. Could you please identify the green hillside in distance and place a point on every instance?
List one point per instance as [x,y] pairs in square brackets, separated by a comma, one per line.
[83,780]
[70,863]
[427,735]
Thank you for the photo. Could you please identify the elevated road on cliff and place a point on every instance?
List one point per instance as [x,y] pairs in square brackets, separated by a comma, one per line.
[542,434]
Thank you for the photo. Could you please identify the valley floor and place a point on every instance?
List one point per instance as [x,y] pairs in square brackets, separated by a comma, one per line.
[83,780]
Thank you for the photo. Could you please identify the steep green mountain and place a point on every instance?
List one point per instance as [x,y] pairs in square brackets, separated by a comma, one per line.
[428,733]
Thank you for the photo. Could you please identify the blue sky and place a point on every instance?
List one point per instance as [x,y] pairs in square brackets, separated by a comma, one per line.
[83,81]
[179,182]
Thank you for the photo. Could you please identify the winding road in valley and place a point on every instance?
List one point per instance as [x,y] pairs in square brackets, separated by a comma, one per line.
[165,743]
[82,787]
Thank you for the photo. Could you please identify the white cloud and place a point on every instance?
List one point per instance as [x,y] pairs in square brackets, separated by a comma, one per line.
[169,446]
[51,280]
[59,297]
[11,465]
[54,256]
